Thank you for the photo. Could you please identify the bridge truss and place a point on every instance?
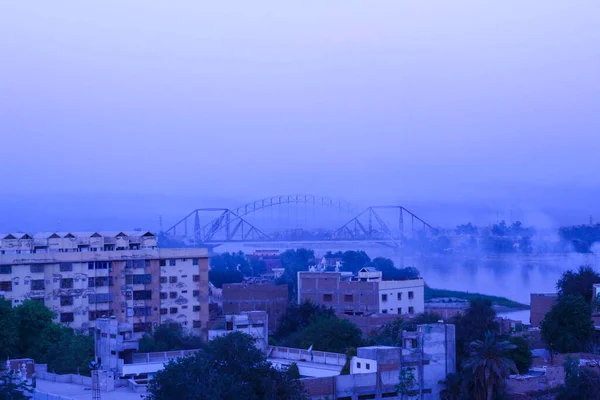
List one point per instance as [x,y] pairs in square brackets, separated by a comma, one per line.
[384,224]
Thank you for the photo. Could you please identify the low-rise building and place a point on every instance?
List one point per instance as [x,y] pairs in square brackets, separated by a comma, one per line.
[253,323]
[247,296]
[362,294]
[541,303]
[86,276]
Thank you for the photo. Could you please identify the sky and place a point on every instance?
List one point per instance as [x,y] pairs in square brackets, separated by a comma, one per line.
[115,112]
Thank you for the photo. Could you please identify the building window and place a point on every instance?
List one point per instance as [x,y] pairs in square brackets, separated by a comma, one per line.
[6,286]
[384,297]
[196,278]
[142,326]
[66,317]
[100,281]
[327,297]
[66,301]
[66,283]
[173,310]
[95,298]
[196,308]
[411,310]
[66,267]
[36,268]
[5,269]
[348,298]
[142,311]
[184,307]
[411,295]
[163,311]
[172,263]
[196,293]
[172,279]
[194,261]
[399,310]
[384,311]
[38,284]
[138,279]
[142,294]
[399,295]
[197,324]
[163,279]
[163,295]
[357,365]
[172,295]
[368,366]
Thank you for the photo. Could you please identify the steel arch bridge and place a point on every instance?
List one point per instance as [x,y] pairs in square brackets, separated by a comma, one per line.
[389,225]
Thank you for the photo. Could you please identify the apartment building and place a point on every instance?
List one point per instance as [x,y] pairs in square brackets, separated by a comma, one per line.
[365,293]
[85,276]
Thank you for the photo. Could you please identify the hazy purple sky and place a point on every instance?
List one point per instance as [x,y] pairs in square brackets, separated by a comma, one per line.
[489,104]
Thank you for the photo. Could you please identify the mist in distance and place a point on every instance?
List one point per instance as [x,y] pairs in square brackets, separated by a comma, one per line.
[114,114]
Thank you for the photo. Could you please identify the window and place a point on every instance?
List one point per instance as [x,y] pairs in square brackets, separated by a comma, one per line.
[411,310]
[194,261]
[172,295]
[163,311]
[411,295]
[5,269]
[384,297]
[163,295]
[399,310]
[399,295]
[327,297]
[66,301]
[138,279]
[163,263]
[163,279]
[357,365]
[196,278]
[37,284]
[65,267]
[142,311]
[172,263]
[100,281]
[90,265]
[173,310]
[66,317]
[66,283]
[196,293]
[348,298]
[197,324]
[36,268]
[196,308]
[172,279]
[6,286]
[91,282]
[142,294]
[95,298]
[184,307]
[142,326]
[368,366]
[384,311]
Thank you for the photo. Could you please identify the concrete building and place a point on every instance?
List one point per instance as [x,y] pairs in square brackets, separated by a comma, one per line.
[362,294]
[253,323]
[84,276]
[541,303]
[247,296]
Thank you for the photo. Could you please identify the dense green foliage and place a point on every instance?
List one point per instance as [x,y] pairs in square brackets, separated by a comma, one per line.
[581,383]
[431,293]
[567,327]
[169,337]
[11,387]
[453,387]
[327,334]
[299,316]
[390,272]
[488,366]
[390,333]
[473,325]
[581,237]
[228,268]
[580,283]
[294,261]
[30,332]
[229,367]
[520,354]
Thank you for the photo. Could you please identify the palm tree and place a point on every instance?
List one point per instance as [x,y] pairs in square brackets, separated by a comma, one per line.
[489,366]
[453,387]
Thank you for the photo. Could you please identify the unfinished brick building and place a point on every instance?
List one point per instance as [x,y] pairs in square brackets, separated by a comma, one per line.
[240,297]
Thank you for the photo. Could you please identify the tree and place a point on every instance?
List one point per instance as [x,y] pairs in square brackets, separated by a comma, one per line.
[72,353]
[390,333]
[390,272]
[222,276]
[568,327]
[299,316]
[230,367]
[580,382]
[169,337]
[580,283]
[521,354]
[489,366]
[12,388]
[294,261]
[293,371]
[37,330]
[478,319]
[353,261]
[407,382]
[9,334]
[327,334]
[258,267]
[452,390]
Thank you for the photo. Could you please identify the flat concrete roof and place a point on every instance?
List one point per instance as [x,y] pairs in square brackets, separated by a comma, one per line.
[80,392]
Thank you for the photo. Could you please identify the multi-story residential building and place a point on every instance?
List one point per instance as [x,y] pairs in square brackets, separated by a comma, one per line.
[363,294]
[84,276]
[243,297]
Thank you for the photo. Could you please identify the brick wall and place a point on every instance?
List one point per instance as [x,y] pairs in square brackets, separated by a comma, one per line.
[273,299]
[319,386]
